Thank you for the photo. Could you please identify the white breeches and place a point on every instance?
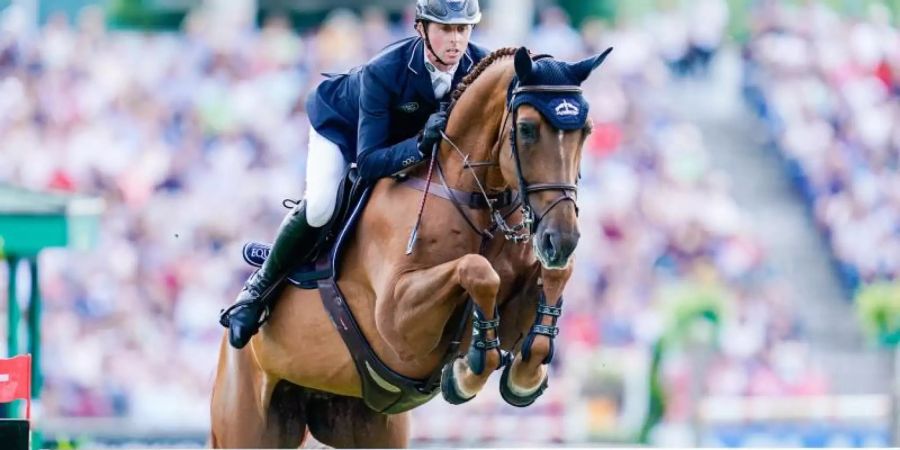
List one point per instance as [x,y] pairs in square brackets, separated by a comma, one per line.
[325,166]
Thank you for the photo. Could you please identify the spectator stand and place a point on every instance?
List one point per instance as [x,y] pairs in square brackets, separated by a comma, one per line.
[30,222]
[828,105]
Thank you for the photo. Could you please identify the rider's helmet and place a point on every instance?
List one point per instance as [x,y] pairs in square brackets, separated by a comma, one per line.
[448,12]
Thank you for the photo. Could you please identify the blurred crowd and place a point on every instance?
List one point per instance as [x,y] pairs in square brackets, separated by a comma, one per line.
[194,138]
[665,230]
[827,87]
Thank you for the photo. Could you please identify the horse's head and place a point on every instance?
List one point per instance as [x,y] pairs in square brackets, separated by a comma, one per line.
[548,126]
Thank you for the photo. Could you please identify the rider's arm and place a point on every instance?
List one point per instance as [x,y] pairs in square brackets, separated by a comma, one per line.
[377,159]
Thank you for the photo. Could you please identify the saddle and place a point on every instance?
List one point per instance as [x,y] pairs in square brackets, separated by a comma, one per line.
[306,275]
[383,389]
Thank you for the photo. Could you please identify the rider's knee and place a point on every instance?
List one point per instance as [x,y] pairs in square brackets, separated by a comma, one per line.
[319,210]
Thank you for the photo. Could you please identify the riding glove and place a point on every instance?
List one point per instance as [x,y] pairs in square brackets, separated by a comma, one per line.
[431,134]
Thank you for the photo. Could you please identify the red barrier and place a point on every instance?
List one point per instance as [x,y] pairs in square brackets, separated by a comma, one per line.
[15,384]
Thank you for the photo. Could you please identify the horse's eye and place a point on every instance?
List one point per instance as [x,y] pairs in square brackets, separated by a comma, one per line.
[528,131]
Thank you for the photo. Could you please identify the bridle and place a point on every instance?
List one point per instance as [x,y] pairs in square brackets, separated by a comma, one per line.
[523,231]
[569,190]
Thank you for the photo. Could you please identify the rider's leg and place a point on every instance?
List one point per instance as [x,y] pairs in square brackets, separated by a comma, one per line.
[296,237]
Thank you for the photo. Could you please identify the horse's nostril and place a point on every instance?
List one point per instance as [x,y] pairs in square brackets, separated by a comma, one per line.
[549,245]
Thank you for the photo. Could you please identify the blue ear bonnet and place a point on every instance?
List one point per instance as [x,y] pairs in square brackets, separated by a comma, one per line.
[564,110]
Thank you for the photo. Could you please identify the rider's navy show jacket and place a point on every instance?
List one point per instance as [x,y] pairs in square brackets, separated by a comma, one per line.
[375,112]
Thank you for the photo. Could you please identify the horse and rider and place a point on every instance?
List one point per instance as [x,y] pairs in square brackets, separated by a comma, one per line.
[498,172]
[383,116]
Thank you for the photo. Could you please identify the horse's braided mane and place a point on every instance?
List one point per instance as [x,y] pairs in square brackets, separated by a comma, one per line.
[479,68]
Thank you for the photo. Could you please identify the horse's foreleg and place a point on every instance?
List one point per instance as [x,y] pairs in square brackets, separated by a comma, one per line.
[423,302]
[425,299]
[526,377]
[465,377]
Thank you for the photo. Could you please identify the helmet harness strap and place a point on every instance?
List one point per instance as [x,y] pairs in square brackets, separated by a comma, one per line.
[425,24]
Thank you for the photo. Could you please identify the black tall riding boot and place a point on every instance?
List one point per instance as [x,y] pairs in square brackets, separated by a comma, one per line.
[295,242]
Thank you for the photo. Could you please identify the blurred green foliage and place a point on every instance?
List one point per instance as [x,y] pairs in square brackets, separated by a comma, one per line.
[580,10]
[143,15]
[878,309]
[687,305]
[687,308]
[620,11]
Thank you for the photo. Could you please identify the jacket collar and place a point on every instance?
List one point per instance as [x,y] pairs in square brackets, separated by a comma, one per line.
[467,61]
[465,66]
[421,80]
[416,65]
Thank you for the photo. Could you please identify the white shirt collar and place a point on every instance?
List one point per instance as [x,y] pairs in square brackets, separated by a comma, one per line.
[440,80]
[434,70]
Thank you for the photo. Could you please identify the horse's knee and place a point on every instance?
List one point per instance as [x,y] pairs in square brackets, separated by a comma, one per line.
[478,277]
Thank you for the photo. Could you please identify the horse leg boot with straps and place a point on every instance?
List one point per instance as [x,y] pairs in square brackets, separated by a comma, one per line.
[296,240]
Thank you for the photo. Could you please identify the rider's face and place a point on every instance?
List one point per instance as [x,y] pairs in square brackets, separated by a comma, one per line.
[449,41]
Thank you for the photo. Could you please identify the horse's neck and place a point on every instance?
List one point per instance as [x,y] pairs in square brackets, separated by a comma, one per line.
[475,130]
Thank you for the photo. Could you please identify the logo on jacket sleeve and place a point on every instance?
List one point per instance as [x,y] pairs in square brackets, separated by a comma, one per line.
[410,107]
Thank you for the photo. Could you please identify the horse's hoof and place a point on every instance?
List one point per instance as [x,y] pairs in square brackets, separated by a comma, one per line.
[448,386]
[517,400]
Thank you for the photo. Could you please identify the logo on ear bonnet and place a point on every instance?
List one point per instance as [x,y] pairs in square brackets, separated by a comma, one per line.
[566,109]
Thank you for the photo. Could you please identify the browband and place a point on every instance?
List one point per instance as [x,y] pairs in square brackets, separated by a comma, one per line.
[547,88]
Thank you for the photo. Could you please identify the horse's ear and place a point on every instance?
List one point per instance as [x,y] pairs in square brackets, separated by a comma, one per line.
[583,68]
[523,63]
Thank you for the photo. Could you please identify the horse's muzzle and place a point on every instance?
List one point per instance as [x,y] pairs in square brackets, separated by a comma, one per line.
[554,247]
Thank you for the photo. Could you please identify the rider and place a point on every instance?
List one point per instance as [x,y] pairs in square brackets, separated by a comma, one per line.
[385,117]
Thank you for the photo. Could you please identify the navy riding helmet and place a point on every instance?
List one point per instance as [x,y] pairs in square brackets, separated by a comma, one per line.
[448,12]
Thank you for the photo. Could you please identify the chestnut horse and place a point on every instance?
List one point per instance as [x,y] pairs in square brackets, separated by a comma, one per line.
[516,123]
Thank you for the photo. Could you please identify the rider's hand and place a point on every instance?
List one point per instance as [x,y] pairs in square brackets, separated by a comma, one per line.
[431,134]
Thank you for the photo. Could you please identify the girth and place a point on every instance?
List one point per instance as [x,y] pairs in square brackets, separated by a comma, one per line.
[383,389]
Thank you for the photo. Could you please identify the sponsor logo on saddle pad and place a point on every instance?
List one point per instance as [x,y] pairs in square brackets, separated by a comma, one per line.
[566,109]
[260,253]
[410,107]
